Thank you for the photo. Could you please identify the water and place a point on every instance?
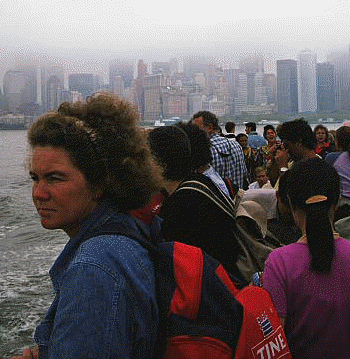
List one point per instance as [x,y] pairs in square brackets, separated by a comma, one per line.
[27,251]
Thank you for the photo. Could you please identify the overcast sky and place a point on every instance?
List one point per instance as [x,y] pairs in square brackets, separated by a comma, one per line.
[84,33]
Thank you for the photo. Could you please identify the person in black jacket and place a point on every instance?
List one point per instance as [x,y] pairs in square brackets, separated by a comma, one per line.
[190,217]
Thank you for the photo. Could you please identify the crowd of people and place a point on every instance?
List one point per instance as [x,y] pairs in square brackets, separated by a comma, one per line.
[92,166]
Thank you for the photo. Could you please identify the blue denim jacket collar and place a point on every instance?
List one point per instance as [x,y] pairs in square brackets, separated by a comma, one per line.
[103,214]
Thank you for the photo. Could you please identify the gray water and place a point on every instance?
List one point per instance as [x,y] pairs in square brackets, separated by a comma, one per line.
[27,251]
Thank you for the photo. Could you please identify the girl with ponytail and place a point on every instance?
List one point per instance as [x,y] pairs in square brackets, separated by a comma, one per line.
[309,281]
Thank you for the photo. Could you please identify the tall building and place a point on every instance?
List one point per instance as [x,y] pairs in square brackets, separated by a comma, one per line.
[270,85]
[52,87]
[287,86]
[307,93]
[341,64]
[251,91]
[325,87]
[83,83]
[54,93]
[121,69]
[20,90]
[153,97]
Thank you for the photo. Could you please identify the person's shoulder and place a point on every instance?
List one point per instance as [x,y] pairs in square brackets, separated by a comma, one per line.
[287,252]
[109,251]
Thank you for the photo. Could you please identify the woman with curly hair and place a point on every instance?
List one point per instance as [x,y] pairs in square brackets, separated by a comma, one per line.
[90,164]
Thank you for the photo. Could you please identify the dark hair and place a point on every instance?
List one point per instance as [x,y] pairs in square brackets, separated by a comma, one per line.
[209,118]
[343,138]
[251,125]
[200,145]
[321,127]
[230,126]
[104,142]
[240,135]
[268,127]
[297,131]
[171,147]
[308,178]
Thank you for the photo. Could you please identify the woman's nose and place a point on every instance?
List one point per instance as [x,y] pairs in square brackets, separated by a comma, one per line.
[40,190]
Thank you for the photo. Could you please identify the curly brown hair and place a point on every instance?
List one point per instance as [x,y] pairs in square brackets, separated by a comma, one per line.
[104,142]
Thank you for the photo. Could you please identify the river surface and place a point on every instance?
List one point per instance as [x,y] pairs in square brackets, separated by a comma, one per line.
[27,251]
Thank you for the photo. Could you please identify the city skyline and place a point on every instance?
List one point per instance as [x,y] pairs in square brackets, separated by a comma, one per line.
[83,37]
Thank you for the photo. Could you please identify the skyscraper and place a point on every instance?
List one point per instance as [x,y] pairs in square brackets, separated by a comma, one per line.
[121,70]
[307,93]
[52,87]
[83,83]
[325,87]
[252,90]
[341,64]
[287,86]
[20,90]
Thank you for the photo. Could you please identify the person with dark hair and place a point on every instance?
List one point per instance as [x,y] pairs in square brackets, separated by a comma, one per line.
[342,142]
[190,217]
[228,159]
[298,139]
[90,164]
[255,141]
[298,142]
[272,142]
[342,166]
[282,226]
[309,281]
[323,145]
[230,129]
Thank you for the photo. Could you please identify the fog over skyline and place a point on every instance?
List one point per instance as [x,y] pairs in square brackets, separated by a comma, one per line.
[83,36]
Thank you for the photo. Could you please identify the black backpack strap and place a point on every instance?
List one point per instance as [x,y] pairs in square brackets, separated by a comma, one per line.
[225,203]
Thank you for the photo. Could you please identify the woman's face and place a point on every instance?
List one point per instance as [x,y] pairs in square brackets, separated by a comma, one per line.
[270,135]
[60,191]
[321,135]
[243,141]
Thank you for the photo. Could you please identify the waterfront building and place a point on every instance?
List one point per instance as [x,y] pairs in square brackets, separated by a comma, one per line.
[174,102]
[83,83]
[153,98]
[121,74]
[307,93]
[20,90]
[52,87]
[340,60]
[270,85]
[54,93]
[287,86]
[325,87]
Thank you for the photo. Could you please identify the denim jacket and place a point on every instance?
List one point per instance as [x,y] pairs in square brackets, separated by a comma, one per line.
[105,304]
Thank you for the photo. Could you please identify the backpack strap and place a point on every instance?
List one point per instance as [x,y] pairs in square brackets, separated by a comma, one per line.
[225,203]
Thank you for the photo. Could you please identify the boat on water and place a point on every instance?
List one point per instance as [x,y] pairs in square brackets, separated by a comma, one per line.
[269,122]
[329,120]
[166,121]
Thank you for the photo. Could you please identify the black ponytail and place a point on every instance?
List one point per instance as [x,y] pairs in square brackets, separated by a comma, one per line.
[313,187]
[319,237]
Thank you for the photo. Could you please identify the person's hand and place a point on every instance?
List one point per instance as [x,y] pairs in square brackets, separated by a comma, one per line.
[281,158]
[29,353]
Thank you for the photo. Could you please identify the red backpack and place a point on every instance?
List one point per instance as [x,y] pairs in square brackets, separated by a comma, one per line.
[207,316]
[203,314]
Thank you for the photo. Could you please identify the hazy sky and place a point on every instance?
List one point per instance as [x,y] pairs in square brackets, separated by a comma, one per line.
[84,33]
